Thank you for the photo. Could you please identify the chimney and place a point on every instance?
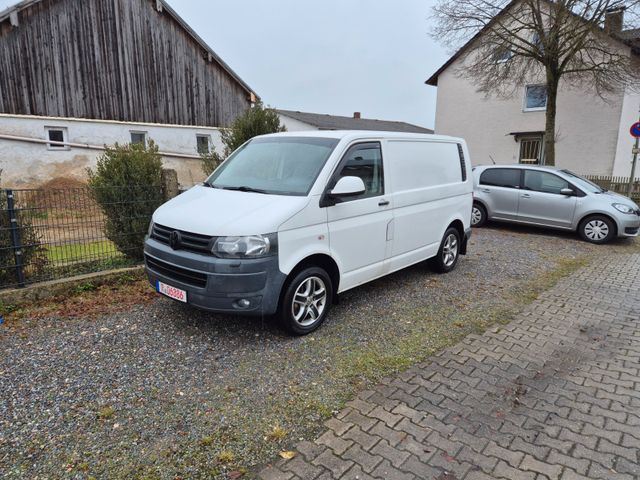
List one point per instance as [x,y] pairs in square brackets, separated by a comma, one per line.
[613,19]
[357,115]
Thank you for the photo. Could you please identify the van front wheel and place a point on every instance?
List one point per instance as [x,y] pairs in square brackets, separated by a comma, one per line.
[306,301]
[448,253]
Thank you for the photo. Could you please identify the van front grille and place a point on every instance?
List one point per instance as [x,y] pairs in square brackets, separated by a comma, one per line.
[178,274]
[190,242]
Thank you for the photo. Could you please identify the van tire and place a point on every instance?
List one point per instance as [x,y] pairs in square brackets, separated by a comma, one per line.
[448,253]
[306,301]
[479,214]
[597,229]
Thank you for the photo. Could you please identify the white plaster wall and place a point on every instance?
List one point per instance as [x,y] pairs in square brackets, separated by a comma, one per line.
[294,125]
[29,164]
[587,127]
[629,115]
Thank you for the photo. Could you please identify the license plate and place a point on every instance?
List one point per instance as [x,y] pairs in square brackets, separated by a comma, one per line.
[172,292]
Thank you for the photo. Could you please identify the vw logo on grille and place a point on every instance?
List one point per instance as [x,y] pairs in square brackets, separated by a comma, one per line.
[175,239]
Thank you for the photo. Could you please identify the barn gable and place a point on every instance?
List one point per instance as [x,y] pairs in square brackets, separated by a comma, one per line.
[125,60]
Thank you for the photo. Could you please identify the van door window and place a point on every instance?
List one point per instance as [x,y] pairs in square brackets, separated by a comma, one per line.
[501,177]
[365,161]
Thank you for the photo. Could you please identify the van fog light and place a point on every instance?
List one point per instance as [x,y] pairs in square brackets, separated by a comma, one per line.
[244,303]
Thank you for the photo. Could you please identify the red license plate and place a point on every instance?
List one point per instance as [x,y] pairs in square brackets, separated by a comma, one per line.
[172,292]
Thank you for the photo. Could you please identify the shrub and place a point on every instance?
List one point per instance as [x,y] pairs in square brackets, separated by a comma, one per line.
[34,256]
[256,120]
[127,185]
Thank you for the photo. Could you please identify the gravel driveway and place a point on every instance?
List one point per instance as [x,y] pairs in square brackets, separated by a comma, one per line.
[164,391]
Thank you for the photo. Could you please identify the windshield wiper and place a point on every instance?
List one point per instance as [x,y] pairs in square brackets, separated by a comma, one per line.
[244,188]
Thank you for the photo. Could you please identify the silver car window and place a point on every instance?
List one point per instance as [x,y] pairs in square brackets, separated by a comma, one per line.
[545,182]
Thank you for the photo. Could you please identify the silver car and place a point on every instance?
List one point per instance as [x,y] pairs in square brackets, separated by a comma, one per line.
[551,197]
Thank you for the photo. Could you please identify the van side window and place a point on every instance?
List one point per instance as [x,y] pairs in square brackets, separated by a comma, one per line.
[365,161]
[501,177]
[544,182]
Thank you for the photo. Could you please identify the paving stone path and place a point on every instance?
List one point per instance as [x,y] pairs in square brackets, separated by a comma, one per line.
[553,395]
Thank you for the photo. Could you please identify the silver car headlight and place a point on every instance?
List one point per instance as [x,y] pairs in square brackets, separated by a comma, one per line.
[252,246]
[621,207]
[150,231]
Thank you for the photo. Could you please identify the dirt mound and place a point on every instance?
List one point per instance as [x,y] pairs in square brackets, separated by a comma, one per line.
[63,194]
[62,183]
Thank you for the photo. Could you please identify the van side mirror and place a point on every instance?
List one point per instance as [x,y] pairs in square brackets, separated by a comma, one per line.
[346,187]
[568,192]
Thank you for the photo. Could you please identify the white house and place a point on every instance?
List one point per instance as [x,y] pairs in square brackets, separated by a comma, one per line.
[592,135]
[301,121]
[81,87]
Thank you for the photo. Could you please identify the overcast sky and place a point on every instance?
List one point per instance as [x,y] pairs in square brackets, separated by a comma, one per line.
[327,56]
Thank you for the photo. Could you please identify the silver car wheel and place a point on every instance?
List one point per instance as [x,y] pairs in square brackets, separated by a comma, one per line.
[309,301]
[596,230]
[476,215]
[450,250]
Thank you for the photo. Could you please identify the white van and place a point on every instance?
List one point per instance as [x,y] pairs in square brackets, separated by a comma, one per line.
[291,220]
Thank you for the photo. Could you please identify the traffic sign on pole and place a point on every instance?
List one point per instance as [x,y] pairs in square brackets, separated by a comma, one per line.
[635,130]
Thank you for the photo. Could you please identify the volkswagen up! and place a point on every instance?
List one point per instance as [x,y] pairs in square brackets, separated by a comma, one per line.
[554,198]
[291,220]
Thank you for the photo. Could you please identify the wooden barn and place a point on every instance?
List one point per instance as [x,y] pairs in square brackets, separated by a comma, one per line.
[78,74]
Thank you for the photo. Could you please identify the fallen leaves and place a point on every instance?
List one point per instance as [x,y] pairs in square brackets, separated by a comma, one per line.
[287,454]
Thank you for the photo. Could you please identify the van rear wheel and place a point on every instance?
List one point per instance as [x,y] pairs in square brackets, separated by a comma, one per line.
[306,301]
[448,253]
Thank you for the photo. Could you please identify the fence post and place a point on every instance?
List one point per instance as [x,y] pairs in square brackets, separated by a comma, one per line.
[169,184]
[15,238]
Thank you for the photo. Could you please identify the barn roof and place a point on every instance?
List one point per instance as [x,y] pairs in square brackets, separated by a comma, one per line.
[7,7]
[335,122]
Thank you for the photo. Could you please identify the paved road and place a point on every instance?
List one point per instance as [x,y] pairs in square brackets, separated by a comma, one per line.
[553,395]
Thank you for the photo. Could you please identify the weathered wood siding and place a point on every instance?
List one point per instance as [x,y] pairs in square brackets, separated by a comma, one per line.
[112,60]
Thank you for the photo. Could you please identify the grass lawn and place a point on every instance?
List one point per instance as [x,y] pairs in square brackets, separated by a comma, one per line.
[82,252]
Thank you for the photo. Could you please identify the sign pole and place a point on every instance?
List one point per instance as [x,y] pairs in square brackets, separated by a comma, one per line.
[633,169]
[635,132]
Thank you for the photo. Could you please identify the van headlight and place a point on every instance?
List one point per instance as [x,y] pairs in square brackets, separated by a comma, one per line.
[621,207]
[150,231]
[252,246]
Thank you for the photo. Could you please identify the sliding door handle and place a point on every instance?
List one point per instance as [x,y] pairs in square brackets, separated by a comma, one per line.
[383,203]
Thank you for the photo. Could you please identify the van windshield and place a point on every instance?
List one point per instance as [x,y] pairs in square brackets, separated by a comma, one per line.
[274,165]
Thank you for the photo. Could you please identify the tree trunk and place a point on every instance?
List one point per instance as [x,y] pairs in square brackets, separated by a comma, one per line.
[550,121]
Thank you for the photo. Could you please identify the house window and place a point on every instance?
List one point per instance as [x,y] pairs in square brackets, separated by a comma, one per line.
[139,138]
[535,98]
[502,55]
[57,136]
[531,150]
[202,143]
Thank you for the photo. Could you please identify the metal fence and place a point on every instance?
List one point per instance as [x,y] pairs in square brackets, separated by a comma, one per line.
[616,184]
[49,234]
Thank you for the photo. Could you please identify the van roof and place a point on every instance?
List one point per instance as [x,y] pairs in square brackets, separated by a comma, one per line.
[364,134]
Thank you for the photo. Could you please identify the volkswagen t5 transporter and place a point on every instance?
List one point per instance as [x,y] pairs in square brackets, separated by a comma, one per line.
[291,220]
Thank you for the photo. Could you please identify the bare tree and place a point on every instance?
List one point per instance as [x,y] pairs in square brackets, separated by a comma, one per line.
[516,42]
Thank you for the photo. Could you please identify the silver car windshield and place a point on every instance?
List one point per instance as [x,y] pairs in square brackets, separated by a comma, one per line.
[583,183]
[274,165]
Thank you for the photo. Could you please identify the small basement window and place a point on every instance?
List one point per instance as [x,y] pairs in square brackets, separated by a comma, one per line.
[56,137]
[139,138]
[202,143]
[535,98]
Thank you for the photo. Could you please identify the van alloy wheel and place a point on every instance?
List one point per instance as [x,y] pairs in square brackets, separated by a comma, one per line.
[306,300]
[596,230]
[309,301]
[450,250]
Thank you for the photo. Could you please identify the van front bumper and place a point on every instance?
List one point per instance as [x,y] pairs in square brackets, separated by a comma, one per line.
[241,286]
